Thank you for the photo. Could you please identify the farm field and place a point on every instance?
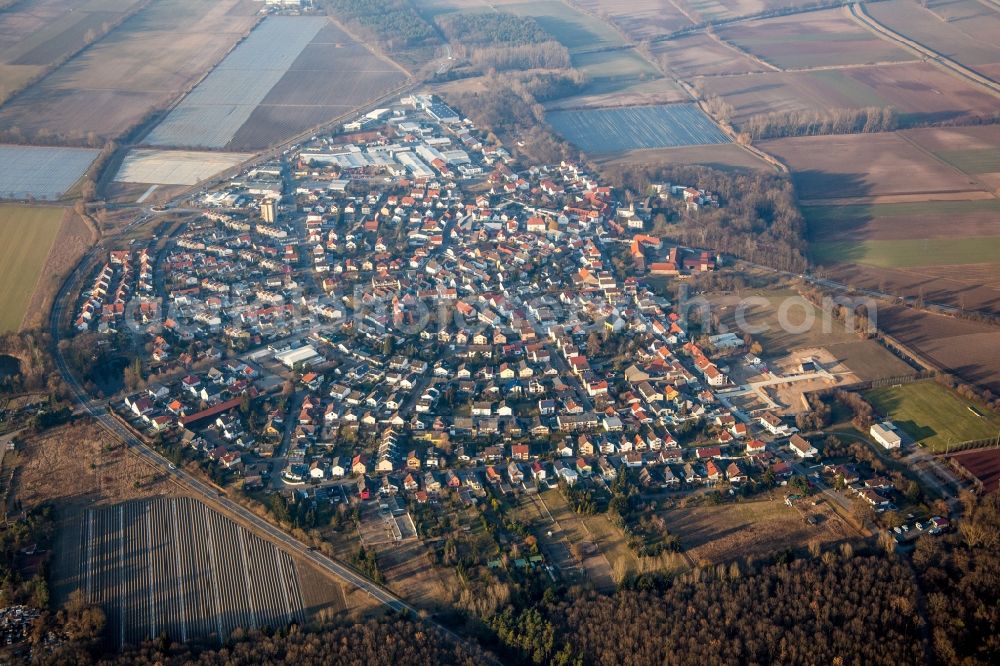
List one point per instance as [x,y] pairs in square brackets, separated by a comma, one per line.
[28,234]
[914,252]
[965,31]
[973,150]
[142,64]
[639,19]
[867,165]
[968,349]
[816,39]
[614,130]
[919,92]
[712,534]
[612,93]
[572,28]
[292,73]
[173,566]
[175,167]
[723,156]
[901,221]
[868,359]
[700,55]
[933,415]
[37,172]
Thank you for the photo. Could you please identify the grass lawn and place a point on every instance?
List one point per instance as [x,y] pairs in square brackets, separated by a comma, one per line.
[910,252]
[933,415]
[28,233]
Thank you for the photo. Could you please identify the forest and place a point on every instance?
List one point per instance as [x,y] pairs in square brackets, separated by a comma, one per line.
[492,28]
[758,220]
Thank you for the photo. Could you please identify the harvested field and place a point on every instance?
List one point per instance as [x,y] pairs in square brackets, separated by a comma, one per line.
[866,165]
[933,415]
[291,74]
[639,19]
[173,566]
[983,465]
[712,534]
[920,92]
[614,130]
[35,172]
[869,360]
[816,39]
[28,234]
[964,31]
[700,55]
[968,349]
[175,167]
[614,93]
[141,65]
[724,156]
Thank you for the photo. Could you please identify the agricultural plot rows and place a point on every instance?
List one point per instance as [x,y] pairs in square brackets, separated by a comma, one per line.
[173,566]
[35,172]
[615,130]
[215,110]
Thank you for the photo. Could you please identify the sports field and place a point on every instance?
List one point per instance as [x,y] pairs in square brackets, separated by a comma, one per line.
[613,130]
[27,234]
[933,415]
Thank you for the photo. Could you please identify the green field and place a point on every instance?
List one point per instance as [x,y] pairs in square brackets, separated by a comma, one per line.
[571,28]
[910,252]
[614,65]
[28,233]
[933,415]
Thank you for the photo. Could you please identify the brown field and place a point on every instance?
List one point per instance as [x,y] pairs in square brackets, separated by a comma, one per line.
[332,76]
[865,165]
[142,64]
[984,465]
[409,573]
[965,31]
[968,349]
[639,19]
[700,55]
[868,359]
[623,93]
[726,157]
[816,39]
[712,534]
[920,92]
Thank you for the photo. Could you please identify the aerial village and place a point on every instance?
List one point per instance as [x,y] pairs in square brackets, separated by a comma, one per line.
[399,315]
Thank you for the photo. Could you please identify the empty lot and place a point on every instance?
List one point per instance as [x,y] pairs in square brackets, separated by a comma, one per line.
[173,566]
[175,167]
[614,130]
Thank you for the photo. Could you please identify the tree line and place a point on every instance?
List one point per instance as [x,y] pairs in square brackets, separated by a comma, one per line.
[780,124]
